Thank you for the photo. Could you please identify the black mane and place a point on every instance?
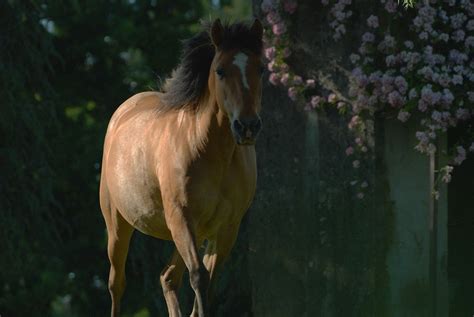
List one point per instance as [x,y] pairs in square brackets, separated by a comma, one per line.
[189,80]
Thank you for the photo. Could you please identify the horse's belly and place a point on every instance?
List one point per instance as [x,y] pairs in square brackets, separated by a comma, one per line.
[138,199]
[152,223]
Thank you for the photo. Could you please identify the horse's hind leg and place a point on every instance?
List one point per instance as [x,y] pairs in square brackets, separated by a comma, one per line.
[170,279]
[119,234]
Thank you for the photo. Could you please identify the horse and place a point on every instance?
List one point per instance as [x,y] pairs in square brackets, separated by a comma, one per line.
[179,164]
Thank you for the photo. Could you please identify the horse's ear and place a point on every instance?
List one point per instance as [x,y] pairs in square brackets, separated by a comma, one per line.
[257,29]
[217,33]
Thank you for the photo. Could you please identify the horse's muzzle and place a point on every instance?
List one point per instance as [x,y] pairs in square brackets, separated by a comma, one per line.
[246,130]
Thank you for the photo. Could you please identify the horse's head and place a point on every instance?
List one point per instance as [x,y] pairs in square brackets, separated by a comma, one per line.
[237,78]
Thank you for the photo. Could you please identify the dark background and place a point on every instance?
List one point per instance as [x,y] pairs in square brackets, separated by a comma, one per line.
[307,247]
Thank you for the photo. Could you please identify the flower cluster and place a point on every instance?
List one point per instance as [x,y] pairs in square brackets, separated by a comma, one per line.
[277,43]
[339,17]
[429,78]
[425,75]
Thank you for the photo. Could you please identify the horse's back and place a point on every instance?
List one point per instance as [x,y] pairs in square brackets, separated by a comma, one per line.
[149,100]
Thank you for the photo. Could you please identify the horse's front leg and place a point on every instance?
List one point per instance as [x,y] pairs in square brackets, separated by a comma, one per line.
[217,250]
[185,241]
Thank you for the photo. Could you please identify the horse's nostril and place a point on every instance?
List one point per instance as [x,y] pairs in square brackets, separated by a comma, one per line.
[238,126]
[252,126]
[258,125]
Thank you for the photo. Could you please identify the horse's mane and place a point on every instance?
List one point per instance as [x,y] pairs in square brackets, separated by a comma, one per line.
[189,80]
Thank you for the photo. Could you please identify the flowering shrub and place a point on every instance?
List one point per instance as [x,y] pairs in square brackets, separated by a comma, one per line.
[425,75]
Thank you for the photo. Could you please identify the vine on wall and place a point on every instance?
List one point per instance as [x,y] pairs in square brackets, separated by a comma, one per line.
[425,75]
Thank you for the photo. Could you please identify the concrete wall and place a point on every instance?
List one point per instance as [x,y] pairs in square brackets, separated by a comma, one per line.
[409,260]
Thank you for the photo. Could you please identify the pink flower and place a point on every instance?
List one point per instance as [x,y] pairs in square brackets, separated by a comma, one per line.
[368,37]
[403,116]
[310,83]
[391,6]
[279,28]
[355,120]
[373,21]
[429,96]
[436,116]
[293,93]
[315,100]
[349,151]
[270,53]
[354,58]
[457,80]
[273,17]
[461,155]
[285,79]
[395,99]
[272,66]
[274,79]
[290,6]
[469,42]
[446,171]
[463,114]
[458,36]
[401,84]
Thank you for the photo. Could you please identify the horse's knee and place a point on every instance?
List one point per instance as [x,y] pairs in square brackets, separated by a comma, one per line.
[167,280]
[199,278]
[116,284]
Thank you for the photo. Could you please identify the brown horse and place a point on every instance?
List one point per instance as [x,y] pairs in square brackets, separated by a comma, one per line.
[180,165]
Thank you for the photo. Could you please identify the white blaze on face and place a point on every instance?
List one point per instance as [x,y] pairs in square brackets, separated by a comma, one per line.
[240,60]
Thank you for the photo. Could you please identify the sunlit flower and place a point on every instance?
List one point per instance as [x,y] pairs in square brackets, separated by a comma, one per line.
[293,93]
[279,28]
[273,17]
[274,78]
[310,83]
[270,53]
[315,100]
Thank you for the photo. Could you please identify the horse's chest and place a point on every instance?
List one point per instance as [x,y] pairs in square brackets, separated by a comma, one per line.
[230,197]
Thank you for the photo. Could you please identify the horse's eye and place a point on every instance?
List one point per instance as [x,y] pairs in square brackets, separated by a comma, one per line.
[220,72]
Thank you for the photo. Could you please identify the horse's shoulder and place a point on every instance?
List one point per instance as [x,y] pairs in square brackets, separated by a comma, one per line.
[134,105]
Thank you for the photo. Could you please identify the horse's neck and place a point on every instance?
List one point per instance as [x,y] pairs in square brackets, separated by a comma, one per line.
[218,139]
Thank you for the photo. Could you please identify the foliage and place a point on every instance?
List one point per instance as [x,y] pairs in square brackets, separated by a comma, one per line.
[408,3]
[227,10]
[65,66]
